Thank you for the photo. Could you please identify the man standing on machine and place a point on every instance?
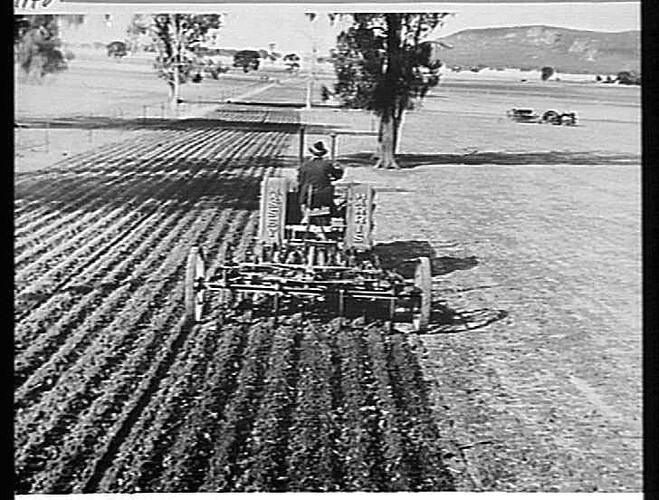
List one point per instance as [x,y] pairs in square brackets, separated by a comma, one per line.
[315,179]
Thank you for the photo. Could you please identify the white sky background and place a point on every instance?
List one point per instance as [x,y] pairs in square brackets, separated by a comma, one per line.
[255,26]
[287,26]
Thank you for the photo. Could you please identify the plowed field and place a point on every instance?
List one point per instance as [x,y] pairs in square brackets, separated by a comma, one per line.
[115,393]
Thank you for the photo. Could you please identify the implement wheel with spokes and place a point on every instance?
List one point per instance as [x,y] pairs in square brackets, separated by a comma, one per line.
[423,281]
[195,273]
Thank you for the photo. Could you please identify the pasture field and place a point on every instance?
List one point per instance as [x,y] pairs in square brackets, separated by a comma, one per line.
[97,86]
[463,121]
[535,358]
[528,380]
[99,101]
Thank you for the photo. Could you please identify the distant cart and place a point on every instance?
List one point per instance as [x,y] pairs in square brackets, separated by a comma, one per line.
[527,115]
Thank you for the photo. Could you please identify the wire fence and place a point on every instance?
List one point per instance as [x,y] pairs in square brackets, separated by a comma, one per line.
[30,139]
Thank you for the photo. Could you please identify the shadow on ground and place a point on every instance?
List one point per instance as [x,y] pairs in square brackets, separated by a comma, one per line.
[110,123]
[135,183]
[444,319]
[499,158]
[402,256]
[272,104]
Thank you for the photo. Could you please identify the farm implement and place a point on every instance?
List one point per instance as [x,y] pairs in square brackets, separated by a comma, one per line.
[525,115]
[324,259]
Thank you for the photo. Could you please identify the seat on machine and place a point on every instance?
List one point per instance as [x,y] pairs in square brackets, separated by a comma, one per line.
[319,211]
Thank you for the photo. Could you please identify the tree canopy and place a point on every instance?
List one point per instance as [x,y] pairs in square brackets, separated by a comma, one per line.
[176,37]
[385,63]
[248,59]
[546,73]
[292,62]
[629,78]
[138,26]
[37,46]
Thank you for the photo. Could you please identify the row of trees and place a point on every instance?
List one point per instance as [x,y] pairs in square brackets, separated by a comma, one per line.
[383,62]
[177,38]
[250,60]
[623,77]
[178,35]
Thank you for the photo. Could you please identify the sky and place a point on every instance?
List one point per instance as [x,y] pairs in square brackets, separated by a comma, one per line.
[292,32]
[255,26]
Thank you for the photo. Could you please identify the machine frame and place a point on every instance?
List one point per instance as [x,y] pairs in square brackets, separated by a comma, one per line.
[329,259]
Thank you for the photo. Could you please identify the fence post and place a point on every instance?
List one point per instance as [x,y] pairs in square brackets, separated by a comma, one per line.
[162,110]
[301,150]
[333,146]
[47,136]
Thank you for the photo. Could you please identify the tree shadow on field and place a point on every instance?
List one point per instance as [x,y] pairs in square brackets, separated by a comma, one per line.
[271,104]
[499,158]
[240,122]
[134,184]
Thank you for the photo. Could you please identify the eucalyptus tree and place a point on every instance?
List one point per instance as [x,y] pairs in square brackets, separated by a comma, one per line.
[385,62]
[176,35]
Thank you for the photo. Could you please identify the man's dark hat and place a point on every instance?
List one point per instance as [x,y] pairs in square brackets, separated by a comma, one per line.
[318,149]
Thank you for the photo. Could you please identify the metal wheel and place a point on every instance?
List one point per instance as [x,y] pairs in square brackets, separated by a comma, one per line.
[311,256]
[224,253]
[260,253]
[423,281]
[321,258]
[552,117]
[225,297]
[195,273]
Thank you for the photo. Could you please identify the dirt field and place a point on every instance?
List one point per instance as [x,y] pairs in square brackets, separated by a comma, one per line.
[529,379]
[114,393]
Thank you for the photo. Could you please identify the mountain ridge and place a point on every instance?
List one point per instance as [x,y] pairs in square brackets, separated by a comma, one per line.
[532,47]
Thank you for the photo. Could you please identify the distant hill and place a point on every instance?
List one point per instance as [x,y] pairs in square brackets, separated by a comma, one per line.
[531,47]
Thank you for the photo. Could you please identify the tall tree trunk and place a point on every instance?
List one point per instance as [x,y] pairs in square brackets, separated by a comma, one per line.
[377,153]
[172,93]
[387,143]
[396,127]
[175,85]
[390,116]
[397,119]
